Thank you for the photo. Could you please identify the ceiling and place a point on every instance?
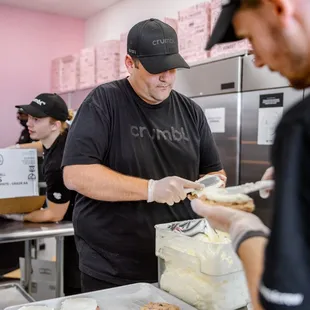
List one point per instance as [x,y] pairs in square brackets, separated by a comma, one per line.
[75,8]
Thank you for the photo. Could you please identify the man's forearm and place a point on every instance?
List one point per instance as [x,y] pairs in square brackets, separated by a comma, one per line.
[101,183]
[251,253]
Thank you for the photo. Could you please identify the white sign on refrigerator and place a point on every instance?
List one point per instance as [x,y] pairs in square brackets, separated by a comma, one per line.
[269,113]
[216,119]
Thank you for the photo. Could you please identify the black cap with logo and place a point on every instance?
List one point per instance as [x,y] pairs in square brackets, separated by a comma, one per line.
[224,31]
[47,105]
[155,44]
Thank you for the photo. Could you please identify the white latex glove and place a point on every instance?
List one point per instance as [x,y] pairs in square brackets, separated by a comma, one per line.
[13,217]
[240,225]
[170,190]
[268,175]
[222,177]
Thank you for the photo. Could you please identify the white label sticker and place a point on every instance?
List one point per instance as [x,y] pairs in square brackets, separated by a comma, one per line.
[216,119]
[269,115]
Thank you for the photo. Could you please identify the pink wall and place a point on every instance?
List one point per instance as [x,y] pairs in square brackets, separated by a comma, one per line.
[29,41]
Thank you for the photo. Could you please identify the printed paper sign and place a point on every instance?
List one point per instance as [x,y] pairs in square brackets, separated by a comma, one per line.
[269,115]
[216,119]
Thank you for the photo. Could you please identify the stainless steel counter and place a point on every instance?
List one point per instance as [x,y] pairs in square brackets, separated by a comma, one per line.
[11,231]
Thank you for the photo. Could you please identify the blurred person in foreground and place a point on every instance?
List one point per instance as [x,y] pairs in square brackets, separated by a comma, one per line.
[276,263]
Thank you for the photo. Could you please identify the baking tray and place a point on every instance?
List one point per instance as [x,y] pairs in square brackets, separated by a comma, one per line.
[12,294]
[129,297]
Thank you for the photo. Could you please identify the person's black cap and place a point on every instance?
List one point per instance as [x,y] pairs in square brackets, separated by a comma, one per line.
[47,105]
[223,31]
[155,44]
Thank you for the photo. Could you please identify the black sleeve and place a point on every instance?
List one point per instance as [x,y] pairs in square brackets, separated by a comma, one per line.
[286,283]
[209,156]
[56,190]
[88,138]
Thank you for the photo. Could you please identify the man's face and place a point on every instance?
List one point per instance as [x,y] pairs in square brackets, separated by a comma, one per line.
[279,41]
[152,88]
[40,128]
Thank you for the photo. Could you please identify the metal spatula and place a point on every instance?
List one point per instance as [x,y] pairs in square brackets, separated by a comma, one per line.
[207,181]
[250,187]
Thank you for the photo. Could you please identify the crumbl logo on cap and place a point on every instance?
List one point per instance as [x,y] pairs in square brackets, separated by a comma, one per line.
[57,196]
[163,41]
[39,102]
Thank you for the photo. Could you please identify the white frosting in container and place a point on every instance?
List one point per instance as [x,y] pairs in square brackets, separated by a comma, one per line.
[221,195]
[79,304]
[35,308]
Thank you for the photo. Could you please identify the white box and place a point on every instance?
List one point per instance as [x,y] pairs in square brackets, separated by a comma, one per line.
[204,273]
[43,278]
[43,290]
[18,173]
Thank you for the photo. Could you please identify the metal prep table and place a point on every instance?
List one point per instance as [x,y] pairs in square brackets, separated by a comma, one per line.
[11,231]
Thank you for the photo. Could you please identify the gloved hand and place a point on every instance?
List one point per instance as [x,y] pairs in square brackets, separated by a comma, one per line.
[170,190]
[268,175]
[240,225]
[222,177]
[13,217]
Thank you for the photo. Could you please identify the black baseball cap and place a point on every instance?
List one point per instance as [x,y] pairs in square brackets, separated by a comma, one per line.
[155,44]
[223,31]
[47,105]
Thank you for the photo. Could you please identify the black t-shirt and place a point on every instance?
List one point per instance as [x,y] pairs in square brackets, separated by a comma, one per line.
[286,279]
[115,128]
[56,190]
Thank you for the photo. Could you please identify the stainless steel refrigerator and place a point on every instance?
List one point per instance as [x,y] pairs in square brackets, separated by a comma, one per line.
[243,105]
[216,87]
[265,97]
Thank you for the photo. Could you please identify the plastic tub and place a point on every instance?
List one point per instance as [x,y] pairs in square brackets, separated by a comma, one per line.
[205,273]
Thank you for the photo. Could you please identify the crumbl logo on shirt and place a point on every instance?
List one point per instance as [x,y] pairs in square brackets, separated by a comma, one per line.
[39,102]
[171,134]
[57,196]
[279,298]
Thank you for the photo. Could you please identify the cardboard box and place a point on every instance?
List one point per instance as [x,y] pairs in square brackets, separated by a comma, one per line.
[18,173]
[172,22]
[69,74]
[86,72]
[123,72]
[43,278]
[41,270]
[107,61]
[55,75]
[21,204]
[193,32]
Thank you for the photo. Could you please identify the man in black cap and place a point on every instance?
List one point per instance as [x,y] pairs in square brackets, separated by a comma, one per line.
[278,277]
[134,148]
